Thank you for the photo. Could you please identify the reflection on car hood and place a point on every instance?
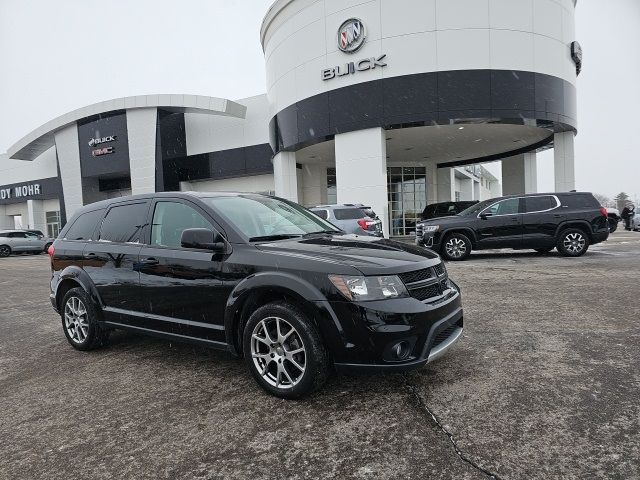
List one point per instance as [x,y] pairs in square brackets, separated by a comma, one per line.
[370,255]
[452,220]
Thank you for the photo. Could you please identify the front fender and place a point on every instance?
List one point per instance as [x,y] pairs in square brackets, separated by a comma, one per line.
[284,283]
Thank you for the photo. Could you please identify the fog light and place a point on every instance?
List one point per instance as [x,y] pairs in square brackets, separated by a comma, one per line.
[401,350]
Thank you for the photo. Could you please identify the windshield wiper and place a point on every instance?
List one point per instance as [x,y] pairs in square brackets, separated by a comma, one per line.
[269,238]
[322,232]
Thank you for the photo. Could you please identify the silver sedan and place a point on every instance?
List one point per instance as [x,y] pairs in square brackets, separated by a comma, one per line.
[16,241]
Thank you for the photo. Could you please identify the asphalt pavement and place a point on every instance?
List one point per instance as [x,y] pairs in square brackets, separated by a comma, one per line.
[544,384]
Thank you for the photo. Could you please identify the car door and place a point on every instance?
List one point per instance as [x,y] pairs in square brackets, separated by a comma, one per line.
[500,225]
[540,219]
[112,260]
[18,241]
[34,243]
[182,288]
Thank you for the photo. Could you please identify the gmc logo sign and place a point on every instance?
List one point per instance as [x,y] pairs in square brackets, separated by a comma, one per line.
[98,152]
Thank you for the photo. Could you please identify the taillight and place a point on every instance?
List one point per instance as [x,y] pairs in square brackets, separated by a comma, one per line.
[604,212]
[365,224]
[51,251]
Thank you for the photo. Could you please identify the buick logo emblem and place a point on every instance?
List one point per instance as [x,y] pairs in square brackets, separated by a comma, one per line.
[351,35]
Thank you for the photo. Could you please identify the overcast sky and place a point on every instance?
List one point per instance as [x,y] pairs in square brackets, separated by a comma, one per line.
[58,55]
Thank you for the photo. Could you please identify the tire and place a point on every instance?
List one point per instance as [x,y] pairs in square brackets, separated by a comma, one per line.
[83,330]
[268,353]
[456,247]
[613,225]
[46,247]
[544,251]
[5,250]
[573,242]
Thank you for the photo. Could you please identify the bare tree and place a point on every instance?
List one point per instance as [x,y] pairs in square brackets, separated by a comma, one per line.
[604,200]
[622,199]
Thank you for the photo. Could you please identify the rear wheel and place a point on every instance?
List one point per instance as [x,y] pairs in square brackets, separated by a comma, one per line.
[80,321]
[284,351]
[573,242]
[456,246]
[5,250]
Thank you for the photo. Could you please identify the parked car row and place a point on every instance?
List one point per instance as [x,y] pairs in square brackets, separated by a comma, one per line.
[23,241]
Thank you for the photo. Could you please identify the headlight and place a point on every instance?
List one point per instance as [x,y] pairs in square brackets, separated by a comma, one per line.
[431,228]
[361,289]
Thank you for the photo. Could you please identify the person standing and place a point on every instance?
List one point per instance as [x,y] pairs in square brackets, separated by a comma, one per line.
[627,214]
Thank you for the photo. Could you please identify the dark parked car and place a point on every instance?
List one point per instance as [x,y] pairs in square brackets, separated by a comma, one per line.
[257,276]
[445,209]
[569,222]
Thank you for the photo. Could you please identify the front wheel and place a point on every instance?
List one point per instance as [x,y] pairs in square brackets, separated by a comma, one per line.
[5,250]
[613,225]
[284,351]
[456,246]
[573,242]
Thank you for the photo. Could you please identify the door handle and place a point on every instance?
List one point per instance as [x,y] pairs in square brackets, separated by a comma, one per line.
[91,254]
[150,261]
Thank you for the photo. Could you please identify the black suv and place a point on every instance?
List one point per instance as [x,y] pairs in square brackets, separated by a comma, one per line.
[445,209]
[257,276]
[569,222]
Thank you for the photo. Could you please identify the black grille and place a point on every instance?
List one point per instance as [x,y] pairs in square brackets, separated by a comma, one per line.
[426,292]
[439,269]
[417,276]
[442,335]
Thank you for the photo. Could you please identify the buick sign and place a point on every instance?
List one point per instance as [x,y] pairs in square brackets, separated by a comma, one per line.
[351,35]
[97,141]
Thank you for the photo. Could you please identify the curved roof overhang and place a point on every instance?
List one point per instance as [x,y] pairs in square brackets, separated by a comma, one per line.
[42,138]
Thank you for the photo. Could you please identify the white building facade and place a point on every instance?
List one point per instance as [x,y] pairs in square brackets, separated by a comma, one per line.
[391,103]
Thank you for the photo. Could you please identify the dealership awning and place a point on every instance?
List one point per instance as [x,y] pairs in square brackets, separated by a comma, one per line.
[42,138]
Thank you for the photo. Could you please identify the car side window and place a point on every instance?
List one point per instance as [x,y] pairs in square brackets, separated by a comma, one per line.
[539,204]
[505,207]
[323,214]
[84,226]
[170,219]
[17,235]
[124,223]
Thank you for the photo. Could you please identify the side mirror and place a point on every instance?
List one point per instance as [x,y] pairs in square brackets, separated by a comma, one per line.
[485,215]
[204,239]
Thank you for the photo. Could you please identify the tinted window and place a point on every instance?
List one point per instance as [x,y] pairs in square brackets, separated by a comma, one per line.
[17,235]
[84,226]
[124,223]
[170,219]
[323,214]
[539,204]
[580,201]
[505,207]
[446,209]
[353,213]
[4,235]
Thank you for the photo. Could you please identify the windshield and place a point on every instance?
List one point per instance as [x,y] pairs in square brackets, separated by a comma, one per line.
[266,218]
[474,209]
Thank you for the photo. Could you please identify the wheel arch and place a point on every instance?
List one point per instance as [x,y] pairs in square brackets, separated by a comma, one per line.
[264,288]
[466,231]
[73,277]
[579,224]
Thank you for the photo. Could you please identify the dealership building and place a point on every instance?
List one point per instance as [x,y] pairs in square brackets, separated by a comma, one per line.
[390,103]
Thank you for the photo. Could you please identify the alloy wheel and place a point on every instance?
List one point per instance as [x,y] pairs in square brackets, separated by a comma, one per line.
[5,251]
[574,242]
[278,352]
[75,320]
[455,247]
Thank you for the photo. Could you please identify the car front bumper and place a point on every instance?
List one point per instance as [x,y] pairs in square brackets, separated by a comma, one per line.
[373,329]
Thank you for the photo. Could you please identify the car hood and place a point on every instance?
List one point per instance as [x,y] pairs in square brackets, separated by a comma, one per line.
[369,255]
[451,220]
